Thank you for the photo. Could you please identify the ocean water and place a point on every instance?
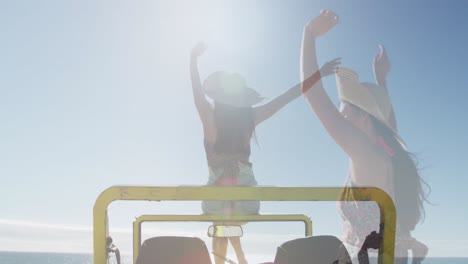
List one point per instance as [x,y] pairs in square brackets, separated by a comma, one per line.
[53,258]
[71,258]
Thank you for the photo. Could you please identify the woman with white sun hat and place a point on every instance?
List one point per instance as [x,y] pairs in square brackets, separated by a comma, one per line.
[365,128]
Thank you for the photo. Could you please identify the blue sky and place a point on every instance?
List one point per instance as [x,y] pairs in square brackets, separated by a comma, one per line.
[97,93]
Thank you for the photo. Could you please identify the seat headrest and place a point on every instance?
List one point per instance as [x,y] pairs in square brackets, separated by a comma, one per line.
[312,250]
[173,250]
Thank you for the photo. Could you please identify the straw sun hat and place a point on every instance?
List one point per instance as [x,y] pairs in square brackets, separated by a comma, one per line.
[230,89]
[370,97]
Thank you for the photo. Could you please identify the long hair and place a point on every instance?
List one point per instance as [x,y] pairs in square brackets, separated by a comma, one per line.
[235,126]
[410,189]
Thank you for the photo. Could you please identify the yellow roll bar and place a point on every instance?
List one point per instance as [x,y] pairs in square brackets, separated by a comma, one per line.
[200,193]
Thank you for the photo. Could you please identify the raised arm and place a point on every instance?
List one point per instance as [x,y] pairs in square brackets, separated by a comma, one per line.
[265,111]
[351,139]
[381,66]
[203,106]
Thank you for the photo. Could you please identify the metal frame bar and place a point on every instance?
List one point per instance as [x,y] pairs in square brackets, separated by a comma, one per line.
[114,193]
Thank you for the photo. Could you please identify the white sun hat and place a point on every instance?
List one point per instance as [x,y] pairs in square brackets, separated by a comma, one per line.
[370,97]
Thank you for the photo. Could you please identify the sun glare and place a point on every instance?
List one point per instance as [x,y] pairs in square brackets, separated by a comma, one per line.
[221,25]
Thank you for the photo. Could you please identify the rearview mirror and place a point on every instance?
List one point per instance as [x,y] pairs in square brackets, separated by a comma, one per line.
[225,231]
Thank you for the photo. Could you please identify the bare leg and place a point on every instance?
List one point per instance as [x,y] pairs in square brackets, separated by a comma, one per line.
[401,254]
[236,244]
[419,251]
[220,248]
[117,255]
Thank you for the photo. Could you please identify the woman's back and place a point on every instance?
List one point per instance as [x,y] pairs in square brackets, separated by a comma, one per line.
[361,218]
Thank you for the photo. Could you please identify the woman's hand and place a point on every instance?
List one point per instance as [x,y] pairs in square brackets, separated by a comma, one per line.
[329,68]
[198,50]
[381,65]
[373,240]
[322,23]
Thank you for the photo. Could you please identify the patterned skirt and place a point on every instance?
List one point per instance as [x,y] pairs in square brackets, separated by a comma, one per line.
[243,177]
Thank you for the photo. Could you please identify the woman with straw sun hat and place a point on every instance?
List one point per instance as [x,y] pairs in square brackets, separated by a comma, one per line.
[365,128]
[228,126]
